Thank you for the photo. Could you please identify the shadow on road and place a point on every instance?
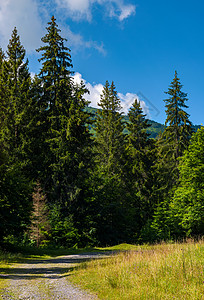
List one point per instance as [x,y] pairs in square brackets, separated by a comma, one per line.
[34,269]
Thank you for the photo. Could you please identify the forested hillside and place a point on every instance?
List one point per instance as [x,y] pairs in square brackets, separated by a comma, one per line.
[153,131]
[73,176]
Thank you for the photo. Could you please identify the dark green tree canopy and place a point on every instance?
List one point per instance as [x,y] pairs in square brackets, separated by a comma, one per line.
[65,148]
[175,104]
[140,154]
[16,84]
[110,139]
[117,185]
[56,63]
[175,138]
[2,56]
[187,205]
[137,126]
[109,166]
[179,127]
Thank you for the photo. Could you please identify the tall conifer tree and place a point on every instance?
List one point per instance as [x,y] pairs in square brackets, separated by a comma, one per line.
[2,57]
[140,162]
[15,99]
[63,123]
[175,138]
[54,100]
[3,92]
[110,162]
[16,81]
[109,132]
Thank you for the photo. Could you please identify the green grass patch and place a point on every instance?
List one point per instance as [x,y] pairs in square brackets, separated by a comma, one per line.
[165,271]
[121,247]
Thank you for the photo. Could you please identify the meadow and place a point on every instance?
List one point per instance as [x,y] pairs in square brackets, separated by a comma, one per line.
[164,271]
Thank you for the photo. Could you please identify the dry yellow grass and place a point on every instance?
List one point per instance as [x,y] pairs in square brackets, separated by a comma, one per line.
[166,271]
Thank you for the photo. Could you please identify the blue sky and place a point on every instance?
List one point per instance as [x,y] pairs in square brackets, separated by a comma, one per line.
[137,44]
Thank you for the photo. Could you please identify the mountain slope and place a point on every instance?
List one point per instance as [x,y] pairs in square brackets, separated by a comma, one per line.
[153,130]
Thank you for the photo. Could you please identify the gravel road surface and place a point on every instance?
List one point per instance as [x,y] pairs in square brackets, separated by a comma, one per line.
[45,279]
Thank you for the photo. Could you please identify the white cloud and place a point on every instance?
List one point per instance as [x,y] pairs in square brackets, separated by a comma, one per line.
[126,11]
[22,14]
[28,15]
[78,78]
[96,90]
[95,93]
[77,9]
[32,74]
[128,99]
[82,9]
[78,42]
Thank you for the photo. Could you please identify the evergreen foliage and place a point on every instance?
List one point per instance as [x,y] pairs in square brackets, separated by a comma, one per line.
[3,93]
[175,138]
[110,162]
[15,202]
[187,205]
[16,83]
[64,123]
[179,128]
[115,185]
[140,162]
[15,189]
[109,132]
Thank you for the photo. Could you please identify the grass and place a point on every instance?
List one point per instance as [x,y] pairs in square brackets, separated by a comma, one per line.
[3,283]
[165,271]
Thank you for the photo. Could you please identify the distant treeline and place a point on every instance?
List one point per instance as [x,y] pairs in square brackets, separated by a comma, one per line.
[153,131]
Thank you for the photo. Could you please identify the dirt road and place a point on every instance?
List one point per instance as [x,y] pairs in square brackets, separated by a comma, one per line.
[45,279]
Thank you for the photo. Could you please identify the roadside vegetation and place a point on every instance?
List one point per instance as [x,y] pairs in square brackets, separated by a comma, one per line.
[160,271]
[163,271]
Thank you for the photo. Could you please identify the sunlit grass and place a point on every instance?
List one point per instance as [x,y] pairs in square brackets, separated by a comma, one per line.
[3,282]
[166,271]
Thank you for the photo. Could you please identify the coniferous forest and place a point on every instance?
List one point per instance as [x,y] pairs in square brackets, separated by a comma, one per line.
[69,178]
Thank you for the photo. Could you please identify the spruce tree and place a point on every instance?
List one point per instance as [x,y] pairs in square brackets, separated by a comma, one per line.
[54,89]
[63,123]
[15,102]
[138,138]
[3,93]
[175,138]
[109,132]
[140,151]
[55,71]
[110,164]
[54,103]
[16,82]
[179,127]
[2,56]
